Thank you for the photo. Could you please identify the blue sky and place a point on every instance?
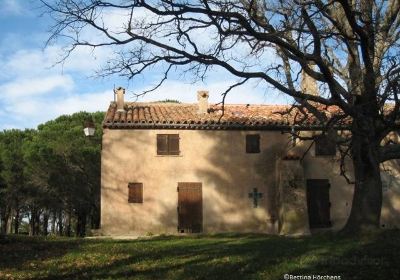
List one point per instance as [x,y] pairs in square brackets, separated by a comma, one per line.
[34,89]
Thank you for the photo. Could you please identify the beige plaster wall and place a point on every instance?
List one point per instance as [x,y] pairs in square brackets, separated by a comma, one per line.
[390,214]
[390,174]
[218,160]
[340,192]
[292,198]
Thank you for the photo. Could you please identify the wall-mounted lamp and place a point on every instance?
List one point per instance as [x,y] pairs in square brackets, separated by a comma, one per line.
[89,128]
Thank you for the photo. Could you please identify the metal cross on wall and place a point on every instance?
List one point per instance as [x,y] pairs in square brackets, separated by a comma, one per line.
[255,195]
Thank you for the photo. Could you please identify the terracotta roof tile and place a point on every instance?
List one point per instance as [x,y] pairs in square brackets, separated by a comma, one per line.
[185,116]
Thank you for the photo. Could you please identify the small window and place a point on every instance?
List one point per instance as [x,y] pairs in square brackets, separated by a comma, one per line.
[325,146]
[135,193]
[168,144]
[253,143]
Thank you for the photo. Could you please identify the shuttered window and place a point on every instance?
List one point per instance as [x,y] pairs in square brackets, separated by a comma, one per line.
[135,194]
[253,143]
[168,144]
[325,146]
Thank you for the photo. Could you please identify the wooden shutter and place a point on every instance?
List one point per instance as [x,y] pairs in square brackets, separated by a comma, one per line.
[162,144]
[325,146]
[173,144]
[135,193]
[253,143]
[168,144]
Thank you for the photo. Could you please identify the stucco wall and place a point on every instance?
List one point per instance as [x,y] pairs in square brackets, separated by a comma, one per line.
[218,160]
[340,192]
[292,198]
[390,214]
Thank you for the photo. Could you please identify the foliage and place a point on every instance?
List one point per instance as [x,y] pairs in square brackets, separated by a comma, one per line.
[52,173]
[12,176]
[222,256]
[169,101]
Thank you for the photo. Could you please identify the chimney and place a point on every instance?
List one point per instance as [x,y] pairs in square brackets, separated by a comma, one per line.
[120,91]
[202,98]
[308,84]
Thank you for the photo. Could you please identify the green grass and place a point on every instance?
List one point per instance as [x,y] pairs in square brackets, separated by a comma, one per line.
[223,256]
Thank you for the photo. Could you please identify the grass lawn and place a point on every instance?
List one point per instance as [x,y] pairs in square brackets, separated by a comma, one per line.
[224,256]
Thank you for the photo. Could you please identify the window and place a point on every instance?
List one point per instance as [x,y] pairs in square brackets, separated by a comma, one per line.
[325,146]
[167,144]
[135,194]
[253,143]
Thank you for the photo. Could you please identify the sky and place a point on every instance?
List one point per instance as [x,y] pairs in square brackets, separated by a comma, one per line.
[35,87]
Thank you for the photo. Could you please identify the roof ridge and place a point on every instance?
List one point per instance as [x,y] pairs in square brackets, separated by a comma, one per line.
[211,104]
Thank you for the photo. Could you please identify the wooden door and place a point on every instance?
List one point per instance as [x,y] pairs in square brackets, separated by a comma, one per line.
[318,203]
[190,207]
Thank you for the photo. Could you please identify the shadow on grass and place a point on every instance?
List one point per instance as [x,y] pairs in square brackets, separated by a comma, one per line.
[372,256]
[220,256]
[17,251]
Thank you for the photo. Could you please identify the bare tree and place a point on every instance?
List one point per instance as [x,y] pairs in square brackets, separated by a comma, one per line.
[350,47]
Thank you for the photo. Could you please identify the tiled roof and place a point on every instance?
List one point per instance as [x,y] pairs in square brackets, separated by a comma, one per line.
[186,116]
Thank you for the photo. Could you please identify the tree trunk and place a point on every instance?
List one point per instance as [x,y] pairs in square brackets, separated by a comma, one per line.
[3,229]
[10,223]
[367,199]
[81,224]
[68,228]
[53,223]
[95,218]
[60,223]
[4,220]
[37,224]
[16,221]
[32,222]
[45,222]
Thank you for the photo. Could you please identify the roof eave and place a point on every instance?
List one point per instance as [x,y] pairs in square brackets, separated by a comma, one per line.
[217,126]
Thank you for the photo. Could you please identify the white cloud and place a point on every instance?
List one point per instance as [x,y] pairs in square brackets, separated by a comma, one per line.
[27,62]
[250,93]
[28,87]
[34,90]
[90,102]
[86,60]
[10,7]
[31,112]
[33,62]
